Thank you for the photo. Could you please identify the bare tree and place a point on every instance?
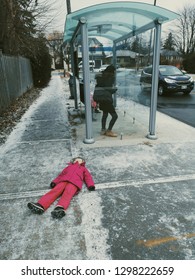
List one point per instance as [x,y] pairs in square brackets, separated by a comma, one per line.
[51,15]
[55,41]
[186,30]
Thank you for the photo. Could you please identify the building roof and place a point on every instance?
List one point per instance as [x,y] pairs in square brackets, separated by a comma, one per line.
[166,52]
[125,53]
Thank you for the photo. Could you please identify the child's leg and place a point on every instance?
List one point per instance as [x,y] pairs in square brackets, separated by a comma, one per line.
[69,191]
[47,199]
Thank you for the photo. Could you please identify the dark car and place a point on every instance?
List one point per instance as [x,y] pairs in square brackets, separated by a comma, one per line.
[171,80]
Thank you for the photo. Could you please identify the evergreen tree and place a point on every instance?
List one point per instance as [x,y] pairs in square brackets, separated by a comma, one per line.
[169,43]
[135,45]
[20,35]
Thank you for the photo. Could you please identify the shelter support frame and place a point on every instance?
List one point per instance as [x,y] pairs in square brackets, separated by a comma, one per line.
[74,78]
[155,73]
[82,26]
[116,21]
[115,65]
[86,80]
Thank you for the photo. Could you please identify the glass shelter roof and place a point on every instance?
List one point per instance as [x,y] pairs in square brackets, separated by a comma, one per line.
[116,20]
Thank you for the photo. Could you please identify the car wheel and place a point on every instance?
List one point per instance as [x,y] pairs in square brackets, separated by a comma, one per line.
[187,92]
[160,90]
[142,87]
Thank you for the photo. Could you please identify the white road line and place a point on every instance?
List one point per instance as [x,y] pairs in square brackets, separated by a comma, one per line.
[96,235]
[44,141]
[118,184]
[45,120]
[28,194]
[140,183]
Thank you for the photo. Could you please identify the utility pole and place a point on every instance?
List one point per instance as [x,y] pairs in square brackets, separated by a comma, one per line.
[150,42]
[68,6]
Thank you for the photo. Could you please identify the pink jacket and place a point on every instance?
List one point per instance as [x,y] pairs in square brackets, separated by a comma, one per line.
[76,174]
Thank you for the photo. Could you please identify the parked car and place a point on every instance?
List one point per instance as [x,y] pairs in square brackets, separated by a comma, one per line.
[91,65]
[171,80]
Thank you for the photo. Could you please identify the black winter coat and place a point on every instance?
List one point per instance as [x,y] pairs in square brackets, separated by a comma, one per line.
[105,82]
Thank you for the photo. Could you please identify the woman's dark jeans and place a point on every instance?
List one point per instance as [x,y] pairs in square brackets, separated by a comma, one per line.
[112,121]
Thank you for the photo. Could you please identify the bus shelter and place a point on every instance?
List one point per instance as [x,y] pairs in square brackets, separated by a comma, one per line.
[116,21]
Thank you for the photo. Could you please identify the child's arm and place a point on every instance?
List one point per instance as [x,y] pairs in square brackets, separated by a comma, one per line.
[55,181]
[52,185]
[89,180]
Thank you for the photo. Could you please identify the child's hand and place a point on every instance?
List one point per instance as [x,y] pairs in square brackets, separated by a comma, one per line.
[52,185]
[91,188]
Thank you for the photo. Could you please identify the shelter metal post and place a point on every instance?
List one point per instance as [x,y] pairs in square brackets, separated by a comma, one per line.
[86,79]
[155,77]
[74,76]
[114,63]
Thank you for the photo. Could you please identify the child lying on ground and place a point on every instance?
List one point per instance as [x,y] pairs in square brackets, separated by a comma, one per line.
[67,184]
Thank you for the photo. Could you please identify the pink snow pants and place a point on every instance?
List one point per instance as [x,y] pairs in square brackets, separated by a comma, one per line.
[65,189]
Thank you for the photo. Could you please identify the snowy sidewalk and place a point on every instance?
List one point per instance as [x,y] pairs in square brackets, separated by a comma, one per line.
[143,206]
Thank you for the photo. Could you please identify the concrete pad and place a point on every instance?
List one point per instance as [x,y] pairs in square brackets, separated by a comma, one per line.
[32,165]
[139,162]
[31,237]
[133,125]
[150,222]
[46,130]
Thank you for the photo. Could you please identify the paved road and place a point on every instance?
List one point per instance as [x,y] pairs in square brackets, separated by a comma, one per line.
[179,106]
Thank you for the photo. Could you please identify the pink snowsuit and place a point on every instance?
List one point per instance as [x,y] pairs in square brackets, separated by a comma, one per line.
[68,183]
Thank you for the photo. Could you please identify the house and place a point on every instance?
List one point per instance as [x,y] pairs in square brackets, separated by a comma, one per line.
[126,58]
[170,57]
[97,52]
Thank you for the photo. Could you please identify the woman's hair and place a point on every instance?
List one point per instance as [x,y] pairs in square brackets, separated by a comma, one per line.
[105,79]
[110,69]
[100,81]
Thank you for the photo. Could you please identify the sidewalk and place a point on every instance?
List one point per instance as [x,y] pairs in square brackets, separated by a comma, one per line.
[143,206]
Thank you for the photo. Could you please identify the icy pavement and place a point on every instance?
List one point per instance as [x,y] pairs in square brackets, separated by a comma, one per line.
[143,206]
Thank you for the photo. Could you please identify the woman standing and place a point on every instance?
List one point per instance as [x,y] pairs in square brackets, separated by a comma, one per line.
[105,84]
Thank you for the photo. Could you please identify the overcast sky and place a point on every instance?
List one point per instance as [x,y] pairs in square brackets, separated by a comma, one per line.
[60,9]
[173,5]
